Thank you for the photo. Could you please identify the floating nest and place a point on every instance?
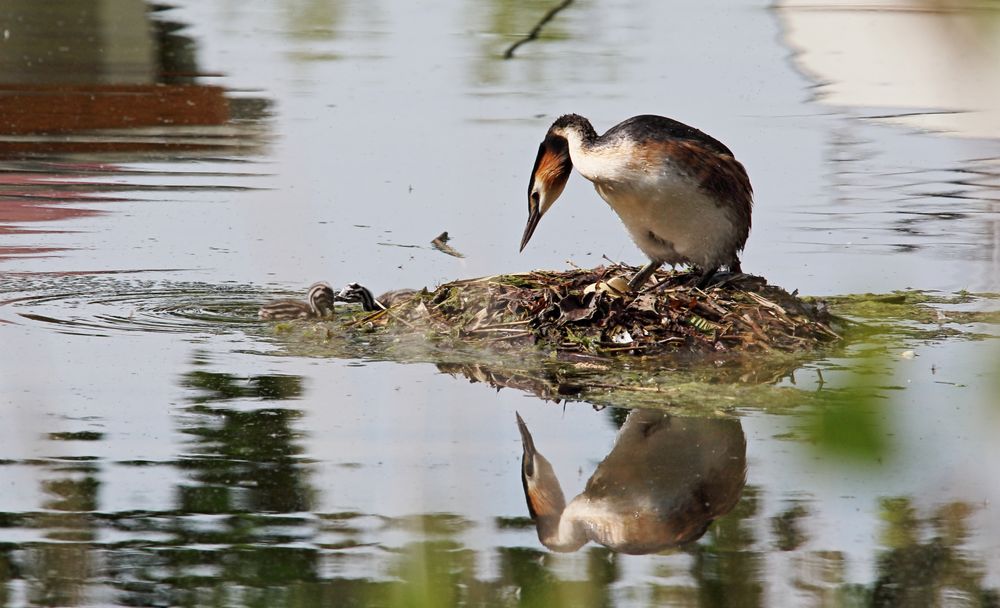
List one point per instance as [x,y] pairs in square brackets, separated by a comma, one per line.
[588,311]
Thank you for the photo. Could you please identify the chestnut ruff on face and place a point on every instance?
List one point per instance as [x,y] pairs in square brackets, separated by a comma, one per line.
[548,178]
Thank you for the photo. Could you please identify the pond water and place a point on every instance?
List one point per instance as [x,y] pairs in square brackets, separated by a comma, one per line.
[165,169]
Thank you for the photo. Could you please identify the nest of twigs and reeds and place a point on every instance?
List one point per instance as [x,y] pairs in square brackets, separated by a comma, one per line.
[588,310]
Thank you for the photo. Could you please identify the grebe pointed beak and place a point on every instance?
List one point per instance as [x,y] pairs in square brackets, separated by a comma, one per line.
[526,441]
[533,216]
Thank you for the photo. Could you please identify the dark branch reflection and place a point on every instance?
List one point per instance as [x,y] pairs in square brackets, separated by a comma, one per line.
[664,482]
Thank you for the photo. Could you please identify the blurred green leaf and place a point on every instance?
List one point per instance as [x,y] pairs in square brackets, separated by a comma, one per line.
[850,421]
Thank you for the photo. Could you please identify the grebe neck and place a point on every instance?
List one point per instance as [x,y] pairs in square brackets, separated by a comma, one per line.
[356,292]
[599,159]
[368,301]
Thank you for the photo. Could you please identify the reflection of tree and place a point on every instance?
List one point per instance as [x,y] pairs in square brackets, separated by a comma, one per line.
[244,460]
[821,579]
[915,572]
[533,574]
[63,567]
[224,387]
[8,572]
[535,31]
[787,528]
[176,53]
[727,569]
[312,19]
[244,465]
[249,551]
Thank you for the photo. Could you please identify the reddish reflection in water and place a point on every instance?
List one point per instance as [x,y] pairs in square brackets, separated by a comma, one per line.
[112,82]
[59,108]
[32,198]
[76,67]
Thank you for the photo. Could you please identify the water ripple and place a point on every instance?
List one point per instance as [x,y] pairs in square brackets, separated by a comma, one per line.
[92,305]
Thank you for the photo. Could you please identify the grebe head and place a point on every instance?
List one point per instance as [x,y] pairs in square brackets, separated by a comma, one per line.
[321,298]
[541,488]
[573,127]
[553,166]
[352,292]
[356,292]
[546,502]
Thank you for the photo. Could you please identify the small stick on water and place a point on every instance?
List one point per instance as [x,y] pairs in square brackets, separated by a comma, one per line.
[440,243]
[533,34]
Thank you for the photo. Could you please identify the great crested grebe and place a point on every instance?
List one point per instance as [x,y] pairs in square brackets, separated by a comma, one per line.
[662,484]
[356,292]
[319,303]
[681,194]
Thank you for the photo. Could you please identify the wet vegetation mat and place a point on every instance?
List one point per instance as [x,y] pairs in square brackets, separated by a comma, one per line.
[572,336]
[590,311]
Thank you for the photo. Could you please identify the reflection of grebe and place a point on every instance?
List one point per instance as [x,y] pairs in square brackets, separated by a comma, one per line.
[663,483]
[681,194]
[319,304]
[355,292]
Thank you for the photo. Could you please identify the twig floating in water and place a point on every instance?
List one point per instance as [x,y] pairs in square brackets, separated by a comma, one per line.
[386,244]
[441,244]
[533,34]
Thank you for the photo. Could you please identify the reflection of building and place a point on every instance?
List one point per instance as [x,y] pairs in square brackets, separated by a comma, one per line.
[932,64]
[91,41]
[108,79]
[101,64]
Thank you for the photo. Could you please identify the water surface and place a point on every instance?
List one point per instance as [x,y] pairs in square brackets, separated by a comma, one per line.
[165,170]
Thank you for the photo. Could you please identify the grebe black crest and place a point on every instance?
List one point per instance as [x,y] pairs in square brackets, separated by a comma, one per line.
[682,195]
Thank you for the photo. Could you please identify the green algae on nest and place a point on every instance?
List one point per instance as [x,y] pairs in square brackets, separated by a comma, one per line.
[918,306]
[581,311]
[915,314]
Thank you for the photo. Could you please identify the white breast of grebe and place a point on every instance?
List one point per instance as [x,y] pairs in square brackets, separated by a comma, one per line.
[631,527]
[670,218]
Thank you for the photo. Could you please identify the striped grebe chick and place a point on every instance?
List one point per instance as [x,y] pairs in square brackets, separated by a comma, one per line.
[681,194]
[318,304]
[356,292]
